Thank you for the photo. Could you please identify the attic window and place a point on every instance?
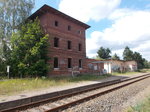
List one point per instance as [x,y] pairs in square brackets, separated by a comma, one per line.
[69,28]
[79,31]
[56,23]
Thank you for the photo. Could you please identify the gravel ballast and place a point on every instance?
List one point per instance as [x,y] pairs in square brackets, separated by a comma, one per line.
[116,101]
[79,96]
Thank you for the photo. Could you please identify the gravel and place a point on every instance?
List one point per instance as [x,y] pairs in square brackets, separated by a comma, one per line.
[116,101]
[106,103]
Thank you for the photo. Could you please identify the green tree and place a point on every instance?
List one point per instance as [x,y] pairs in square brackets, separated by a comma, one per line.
[115,57]
[130,55]
[127,54]
[2,68]
[12,15]
[104,53]
[146,63]
[138,58]
[29,50]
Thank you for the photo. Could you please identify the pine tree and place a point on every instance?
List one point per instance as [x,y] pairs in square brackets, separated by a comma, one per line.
[127,54]
[115,57]
[104,53]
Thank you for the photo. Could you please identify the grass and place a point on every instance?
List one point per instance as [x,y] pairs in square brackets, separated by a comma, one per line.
[3,77]
[145,70]
[125,73]
[141,107]
[131,73]
[12,86]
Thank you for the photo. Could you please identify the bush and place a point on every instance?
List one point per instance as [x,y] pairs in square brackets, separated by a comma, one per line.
[29,51]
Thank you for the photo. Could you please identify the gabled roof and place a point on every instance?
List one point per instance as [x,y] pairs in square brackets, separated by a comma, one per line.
[45,8]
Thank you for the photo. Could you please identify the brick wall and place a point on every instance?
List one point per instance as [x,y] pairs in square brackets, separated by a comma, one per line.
[90,66]
[76,35]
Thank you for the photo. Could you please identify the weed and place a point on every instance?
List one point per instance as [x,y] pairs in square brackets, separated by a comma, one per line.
[13,86]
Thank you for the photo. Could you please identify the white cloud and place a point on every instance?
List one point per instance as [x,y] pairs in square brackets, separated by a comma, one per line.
[86,10]
[130,28]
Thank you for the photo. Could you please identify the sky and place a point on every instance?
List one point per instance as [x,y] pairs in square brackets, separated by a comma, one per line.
[115,24]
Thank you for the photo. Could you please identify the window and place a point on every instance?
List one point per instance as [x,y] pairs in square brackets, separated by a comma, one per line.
[56,23]
[80,63]
[56,42]
[55,62]
[69,44]
[79,32]
[69,28]
[80,47]
[69,63]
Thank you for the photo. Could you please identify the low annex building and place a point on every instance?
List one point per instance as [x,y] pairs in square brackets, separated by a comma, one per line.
[120,65]
[67,40]
[94,66]
[109,66]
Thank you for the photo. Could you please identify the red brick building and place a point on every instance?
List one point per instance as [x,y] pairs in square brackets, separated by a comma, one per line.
[94,66]
[67,40]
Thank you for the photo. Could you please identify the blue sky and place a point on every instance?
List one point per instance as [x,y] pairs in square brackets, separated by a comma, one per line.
[114,23]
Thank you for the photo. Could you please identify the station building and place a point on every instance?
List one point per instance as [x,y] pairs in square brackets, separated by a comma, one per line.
[67,48]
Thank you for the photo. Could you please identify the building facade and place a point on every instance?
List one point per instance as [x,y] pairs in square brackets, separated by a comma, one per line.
[131,65]
[94,66]
[120,66]
[66,40]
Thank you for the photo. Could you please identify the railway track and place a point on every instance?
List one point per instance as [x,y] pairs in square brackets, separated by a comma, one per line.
[62,102]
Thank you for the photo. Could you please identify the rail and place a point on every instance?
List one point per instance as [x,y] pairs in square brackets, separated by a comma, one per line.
[105,84]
